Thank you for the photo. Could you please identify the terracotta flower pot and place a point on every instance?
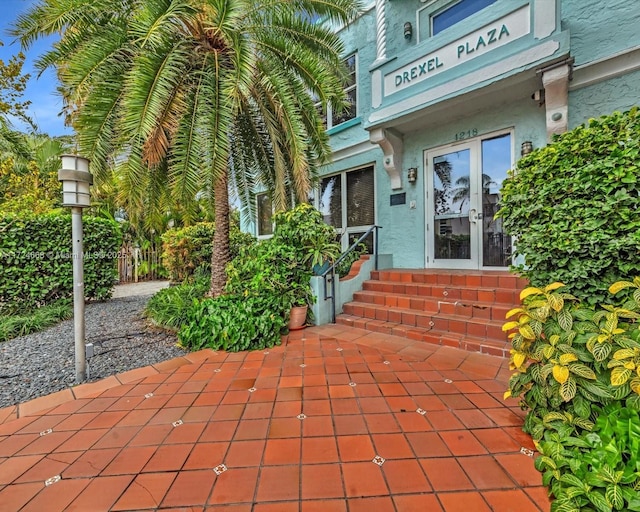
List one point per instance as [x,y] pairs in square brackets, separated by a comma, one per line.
[298,317]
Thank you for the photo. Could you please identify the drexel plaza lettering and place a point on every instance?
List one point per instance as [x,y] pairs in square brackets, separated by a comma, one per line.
[419,70]
[467,48]
[493,35]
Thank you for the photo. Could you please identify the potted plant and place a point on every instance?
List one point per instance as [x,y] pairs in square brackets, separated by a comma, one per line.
[299,295]
[313,244]
[321,250]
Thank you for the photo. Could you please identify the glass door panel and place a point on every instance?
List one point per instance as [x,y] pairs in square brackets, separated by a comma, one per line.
[496,160]
[463,195]
[451,179]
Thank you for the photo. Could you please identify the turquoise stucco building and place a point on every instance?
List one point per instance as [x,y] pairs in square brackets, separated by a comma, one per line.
[446,95]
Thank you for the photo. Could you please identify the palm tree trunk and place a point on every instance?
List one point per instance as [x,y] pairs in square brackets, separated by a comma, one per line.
[220,253]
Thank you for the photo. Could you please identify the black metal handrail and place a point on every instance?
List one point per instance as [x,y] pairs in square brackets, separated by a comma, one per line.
[330,273]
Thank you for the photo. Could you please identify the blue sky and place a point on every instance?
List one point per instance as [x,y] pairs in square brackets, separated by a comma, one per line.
[41,90]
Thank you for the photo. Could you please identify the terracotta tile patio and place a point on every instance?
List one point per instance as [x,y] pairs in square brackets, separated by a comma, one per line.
[336,419]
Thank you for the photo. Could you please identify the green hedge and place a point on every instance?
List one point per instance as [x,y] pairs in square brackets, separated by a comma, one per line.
[573,207]
[36,259]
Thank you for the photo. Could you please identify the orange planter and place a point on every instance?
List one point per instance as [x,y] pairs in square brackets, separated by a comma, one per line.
[298,317]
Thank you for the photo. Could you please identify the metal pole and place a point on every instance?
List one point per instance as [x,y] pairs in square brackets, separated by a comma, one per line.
[78,294]
[375,248]
[333,295]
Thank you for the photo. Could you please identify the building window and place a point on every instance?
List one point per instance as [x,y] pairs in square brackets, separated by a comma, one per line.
[332,119]
[455,13]
[347,202]
[265,215]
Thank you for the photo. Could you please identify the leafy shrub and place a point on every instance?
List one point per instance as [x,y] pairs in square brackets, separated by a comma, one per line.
[184,250]
[271,268]
[238,240]
[598,469]
[26,322]
[578,374]
[283,264]
[169,307]
[573,207]
[37,263]
[264,281]
[188,250]
[233,323]
[304,229]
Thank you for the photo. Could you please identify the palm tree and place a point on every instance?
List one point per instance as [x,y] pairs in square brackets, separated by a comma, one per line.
[462,191]
[197,93]
[442,193]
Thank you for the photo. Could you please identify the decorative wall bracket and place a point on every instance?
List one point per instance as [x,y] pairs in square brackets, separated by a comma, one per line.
[392,146]
[555,80]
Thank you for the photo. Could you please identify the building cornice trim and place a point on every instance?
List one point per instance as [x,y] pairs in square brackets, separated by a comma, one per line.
[606,68]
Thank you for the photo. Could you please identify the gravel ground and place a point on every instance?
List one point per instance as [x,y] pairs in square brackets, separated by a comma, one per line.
[44,362]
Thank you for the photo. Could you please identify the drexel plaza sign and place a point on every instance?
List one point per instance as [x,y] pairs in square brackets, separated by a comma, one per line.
[484,40]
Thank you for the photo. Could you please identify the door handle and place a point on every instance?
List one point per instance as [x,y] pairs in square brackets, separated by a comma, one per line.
[473,215]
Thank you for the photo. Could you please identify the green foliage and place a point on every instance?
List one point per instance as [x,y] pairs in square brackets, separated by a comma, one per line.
[263,282]
[578,375]
[343,268]
[36,256]
[184,250]
[29,174]
[12,86]
[169,307]
[271,268]
[304,229]
[573,207]
[31,192]
[188,250]
[26,322]
[238,240]
[283,264]
[597,469]
[234,322]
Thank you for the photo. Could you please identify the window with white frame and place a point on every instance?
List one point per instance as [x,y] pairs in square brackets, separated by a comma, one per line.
[331,118]
[265,215]
[347,202]
[455,12]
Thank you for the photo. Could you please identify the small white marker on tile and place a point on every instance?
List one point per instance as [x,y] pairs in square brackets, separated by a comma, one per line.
[378,460]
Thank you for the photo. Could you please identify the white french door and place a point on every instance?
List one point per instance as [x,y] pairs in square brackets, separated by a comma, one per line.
[462,196]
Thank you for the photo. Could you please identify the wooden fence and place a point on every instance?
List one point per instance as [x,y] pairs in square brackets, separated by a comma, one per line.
[135,264]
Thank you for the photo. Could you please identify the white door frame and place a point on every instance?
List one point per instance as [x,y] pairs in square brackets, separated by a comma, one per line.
[474,145]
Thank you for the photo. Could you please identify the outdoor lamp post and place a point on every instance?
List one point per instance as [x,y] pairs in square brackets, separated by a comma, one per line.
[76,180]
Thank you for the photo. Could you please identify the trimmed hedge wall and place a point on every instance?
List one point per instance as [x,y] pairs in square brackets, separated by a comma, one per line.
[573,207]
[36,259]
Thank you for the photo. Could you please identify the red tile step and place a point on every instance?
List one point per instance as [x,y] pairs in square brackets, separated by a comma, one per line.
[461,309]
[434,306]
[454,292]
[467,342]
[465,278]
